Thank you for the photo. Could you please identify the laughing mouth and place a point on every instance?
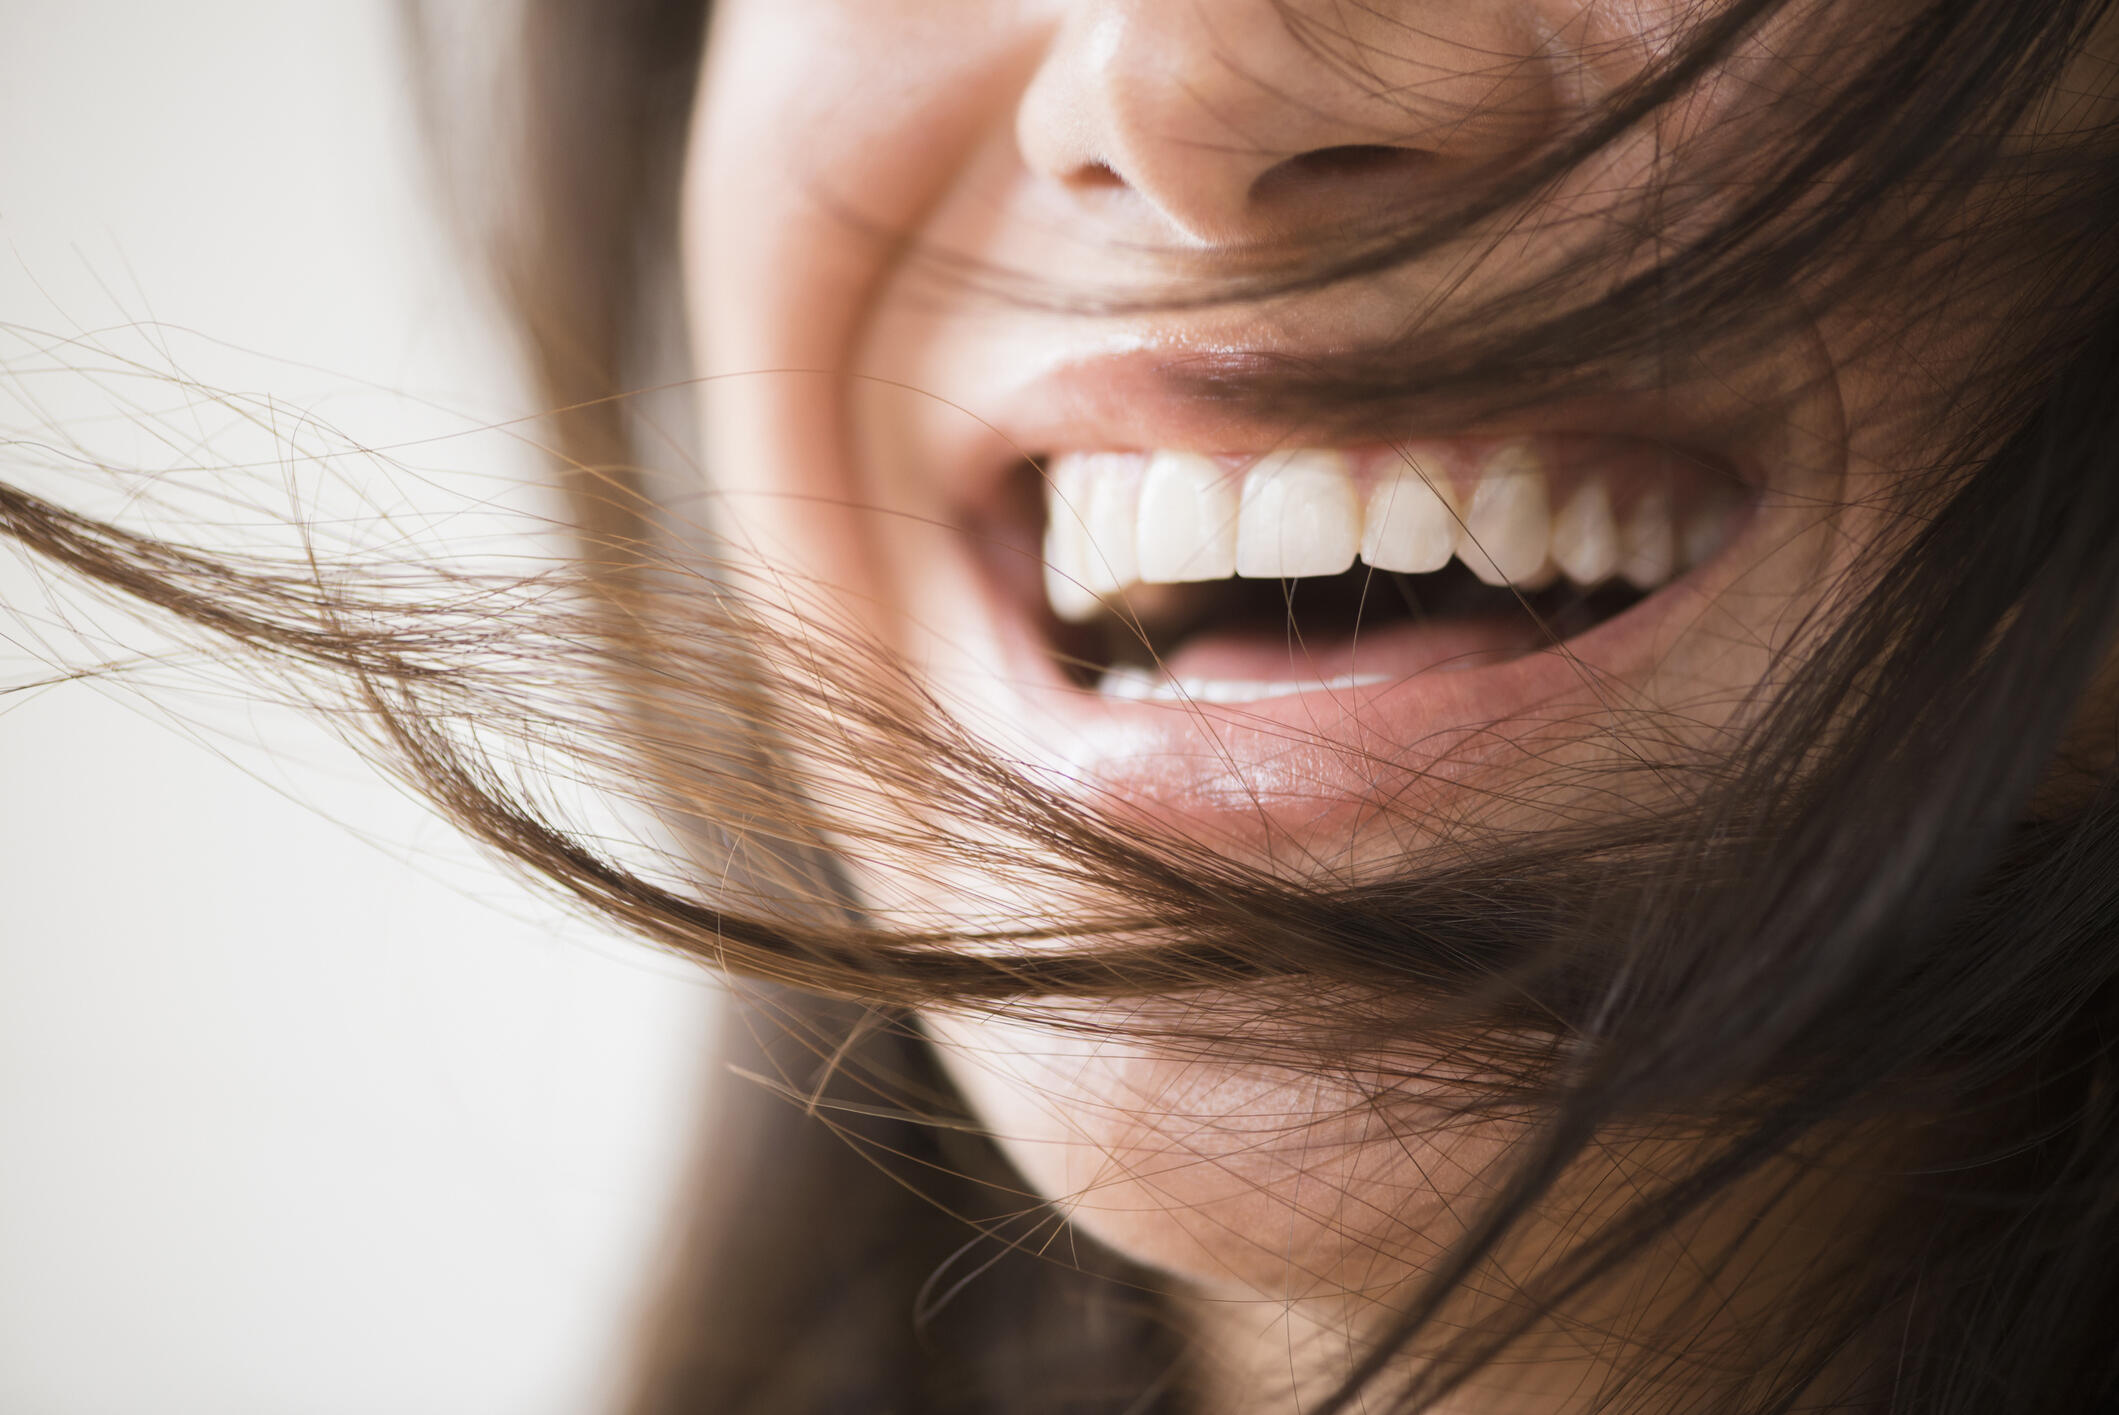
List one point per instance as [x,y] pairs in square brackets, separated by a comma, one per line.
[1178,576]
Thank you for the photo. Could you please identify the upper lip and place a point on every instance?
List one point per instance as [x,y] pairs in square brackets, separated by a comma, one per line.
[1136,399]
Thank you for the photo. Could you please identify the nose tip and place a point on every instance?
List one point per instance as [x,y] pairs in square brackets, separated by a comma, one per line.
[1236,121]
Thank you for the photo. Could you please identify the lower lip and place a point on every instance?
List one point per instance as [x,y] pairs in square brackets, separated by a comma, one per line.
[1420,711]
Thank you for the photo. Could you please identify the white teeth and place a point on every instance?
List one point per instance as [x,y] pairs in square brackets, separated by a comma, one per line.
[1410,527]
[1706,530]
[1585,538]
[1509,522]
[1544,576]
[1188,519]
[1112,513]
[1134,685]
[1118,520]
[1299,516]
[1067,543]
[1143,685]
[1648,543]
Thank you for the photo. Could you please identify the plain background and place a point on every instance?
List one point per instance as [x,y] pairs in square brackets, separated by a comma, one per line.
[303,1108]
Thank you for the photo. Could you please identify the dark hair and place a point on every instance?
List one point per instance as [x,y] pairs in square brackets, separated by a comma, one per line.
[1874,931]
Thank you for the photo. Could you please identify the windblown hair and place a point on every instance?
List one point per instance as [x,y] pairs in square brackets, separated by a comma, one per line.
[1886,907]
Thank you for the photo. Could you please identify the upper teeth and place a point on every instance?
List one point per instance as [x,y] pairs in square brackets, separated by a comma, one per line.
[1119,518]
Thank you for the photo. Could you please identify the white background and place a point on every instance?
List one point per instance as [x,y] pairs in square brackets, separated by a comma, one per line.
[302,1108]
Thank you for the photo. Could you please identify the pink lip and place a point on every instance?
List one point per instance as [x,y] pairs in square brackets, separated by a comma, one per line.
[1308,759]
[1297,757]
[1136,398]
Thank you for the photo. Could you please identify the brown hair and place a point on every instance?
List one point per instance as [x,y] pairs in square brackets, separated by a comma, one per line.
[1854,914]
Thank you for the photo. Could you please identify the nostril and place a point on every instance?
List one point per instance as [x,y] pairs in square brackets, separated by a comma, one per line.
[1353,160]
[1095,174]
[1347,179]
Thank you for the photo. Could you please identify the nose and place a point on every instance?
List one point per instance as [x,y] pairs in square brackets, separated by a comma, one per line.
[1238,121]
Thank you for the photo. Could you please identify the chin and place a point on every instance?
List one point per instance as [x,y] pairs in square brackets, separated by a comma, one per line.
[1245,1183]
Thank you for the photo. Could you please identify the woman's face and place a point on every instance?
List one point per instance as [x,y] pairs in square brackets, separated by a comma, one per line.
[867,421]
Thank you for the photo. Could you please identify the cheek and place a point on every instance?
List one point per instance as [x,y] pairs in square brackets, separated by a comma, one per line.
[1247,1183]
[824,129]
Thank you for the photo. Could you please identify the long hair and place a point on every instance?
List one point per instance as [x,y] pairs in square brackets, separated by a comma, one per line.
[1882,909]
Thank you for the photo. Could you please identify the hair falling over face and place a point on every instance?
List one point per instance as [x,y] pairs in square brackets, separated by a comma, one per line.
[1666,960]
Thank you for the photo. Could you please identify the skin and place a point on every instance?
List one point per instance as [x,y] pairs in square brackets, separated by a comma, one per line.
[859,416]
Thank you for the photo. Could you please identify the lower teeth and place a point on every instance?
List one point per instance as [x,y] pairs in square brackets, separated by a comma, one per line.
[1143,685]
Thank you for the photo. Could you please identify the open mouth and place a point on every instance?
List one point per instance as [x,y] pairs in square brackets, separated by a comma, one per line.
[1179,576]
